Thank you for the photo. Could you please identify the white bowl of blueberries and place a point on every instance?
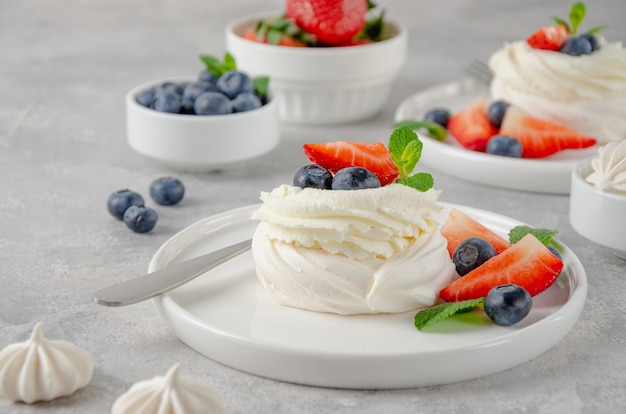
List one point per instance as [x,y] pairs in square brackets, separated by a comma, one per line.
[220,118]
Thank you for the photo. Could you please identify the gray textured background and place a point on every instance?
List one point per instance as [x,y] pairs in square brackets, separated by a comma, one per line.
[65,66]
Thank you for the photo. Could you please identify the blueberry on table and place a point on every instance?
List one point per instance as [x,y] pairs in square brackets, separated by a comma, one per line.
[245,101]
[145,98]
[140,219]
[439,116]
[471,253]
[354,178]
[167,102]
[195,89]
[496,112]
[119,201]
[206,76]
[505,145]
[233,82]
[507,304]
[313,176]
[167,191]
[576,46]
[212,103]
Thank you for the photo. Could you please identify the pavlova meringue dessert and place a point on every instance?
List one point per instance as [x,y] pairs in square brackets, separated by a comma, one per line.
[565,76]
[354,234]
[171,394]
[40,369]
[609,168]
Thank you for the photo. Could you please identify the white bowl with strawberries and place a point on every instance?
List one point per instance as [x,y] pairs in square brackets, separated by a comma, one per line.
[327,68]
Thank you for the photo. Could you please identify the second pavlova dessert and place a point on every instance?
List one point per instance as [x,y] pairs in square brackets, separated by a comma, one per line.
[355,233]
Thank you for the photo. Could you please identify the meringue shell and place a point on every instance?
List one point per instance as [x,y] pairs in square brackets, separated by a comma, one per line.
[609,168]
[42,370]
[171,394]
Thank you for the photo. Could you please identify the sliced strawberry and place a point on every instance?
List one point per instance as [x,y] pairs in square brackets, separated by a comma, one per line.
[341,154]
[549,38]
[459,226]
[471,126]
[540,138]
[283,40]
[331,21]
[527,263]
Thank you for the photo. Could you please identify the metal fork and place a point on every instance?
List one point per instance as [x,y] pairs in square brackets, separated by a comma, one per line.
[480,71]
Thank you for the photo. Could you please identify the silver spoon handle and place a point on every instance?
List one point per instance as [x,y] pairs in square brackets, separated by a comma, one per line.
[158,282]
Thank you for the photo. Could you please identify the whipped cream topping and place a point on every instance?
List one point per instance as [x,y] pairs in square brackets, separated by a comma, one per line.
[350,252]
[609,168]
[40,369]
[171,394]
[586,93]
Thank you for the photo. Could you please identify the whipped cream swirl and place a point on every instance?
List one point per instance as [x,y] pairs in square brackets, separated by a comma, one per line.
[349,252]
[609,168]
[586,93]
[42,370]
[172,394]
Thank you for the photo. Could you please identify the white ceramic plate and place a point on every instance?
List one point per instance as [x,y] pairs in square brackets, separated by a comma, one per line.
[547,175]
[227,316]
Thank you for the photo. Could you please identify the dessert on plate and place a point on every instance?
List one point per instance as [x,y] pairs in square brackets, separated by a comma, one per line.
[567,76]
[355,234]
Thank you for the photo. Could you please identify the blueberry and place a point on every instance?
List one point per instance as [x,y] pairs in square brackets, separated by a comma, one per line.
[194,89]
[313,176]
[505,146]
[119,201]
[507,304]
[167,191]
[471,253]
[206,76]
[555,252]
[186,107]
[232,83]
[354,178]
[212,103]
[439,116]
[496,112]
[167,102]
[245,101]
[576,46]
[140,219]
[168,87]
[145,98]
[593,41]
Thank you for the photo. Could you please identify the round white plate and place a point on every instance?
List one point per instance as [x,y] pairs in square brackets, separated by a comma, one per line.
[226,315]
[546,175]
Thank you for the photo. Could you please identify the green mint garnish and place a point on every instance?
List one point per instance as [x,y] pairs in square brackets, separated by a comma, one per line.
[405,149]
[261,86]
[576,17]
[429,317]
[543,235]
[434,129]
[218,67]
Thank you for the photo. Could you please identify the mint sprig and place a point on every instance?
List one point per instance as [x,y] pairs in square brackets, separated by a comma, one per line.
[219,67]
[545,236]
[576,16]
[405,149]
[434,129]
[430,316]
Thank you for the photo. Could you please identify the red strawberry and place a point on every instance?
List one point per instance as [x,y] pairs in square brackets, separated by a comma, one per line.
[549,38]
[471,126]
[341,154]
[459,226]
[527,263]
[331,21]
[284,40]
[540,138]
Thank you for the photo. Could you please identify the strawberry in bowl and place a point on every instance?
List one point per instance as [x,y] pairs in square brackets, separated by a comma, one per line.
[330,61]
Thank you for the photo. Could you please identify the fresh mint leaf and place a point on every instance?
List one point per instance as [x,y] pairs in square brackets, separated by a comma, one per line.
[229,62]
[420,181]
[405,149]
[261,86]
[429,317]
[597,29]
[576,16]
[274,36]
[543,235]
[562,23]
[218,67]
[434,129]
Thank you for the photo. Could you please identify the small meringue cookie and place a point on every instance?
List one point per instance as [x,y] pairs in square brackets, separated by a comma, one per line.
[171,394]
[42,370]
